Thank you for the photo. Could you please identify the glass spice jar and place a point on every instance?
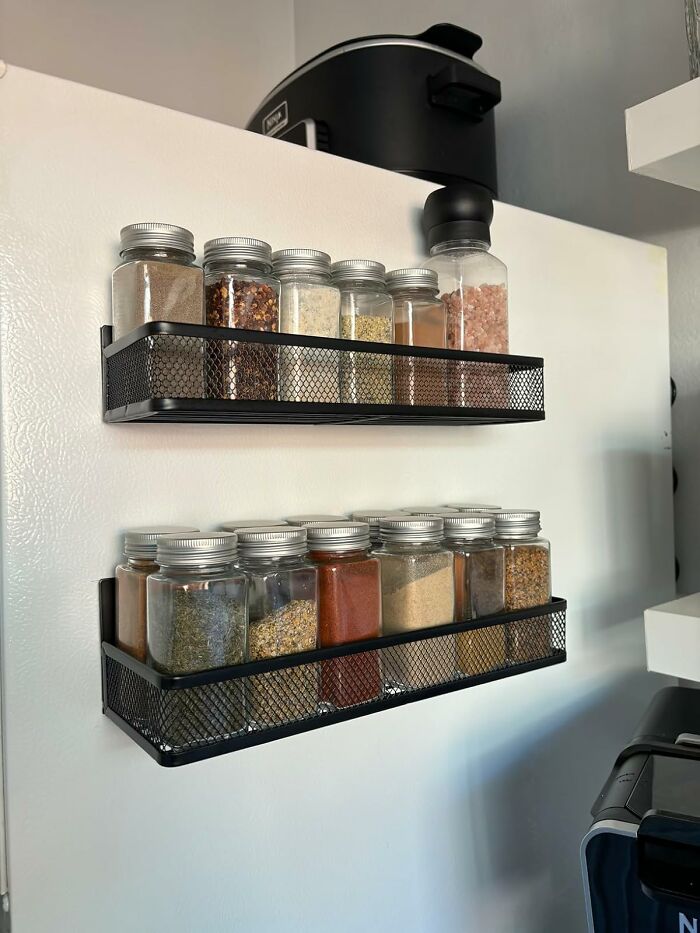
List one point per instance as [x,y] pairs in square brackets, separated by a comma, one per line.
[197,621]
[474,288]
[372,517]
[527,580]
[417,593]
[309,305]
[366,313]
[241,292]
[311,519]
[350,610]
[473,507]
[429,510]
[235,525]
[419,321]
[282,620]
[140,554]
[479,590]
[157,279]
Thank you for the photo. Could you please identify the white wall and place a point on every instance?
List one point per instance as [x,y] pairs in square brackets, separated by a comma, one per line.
[214,58]
[455,815]
[569,70]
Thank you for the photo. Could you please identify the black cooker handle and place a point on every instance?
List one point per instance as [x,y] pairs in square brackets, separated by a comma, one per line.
[453,38]
[464,88]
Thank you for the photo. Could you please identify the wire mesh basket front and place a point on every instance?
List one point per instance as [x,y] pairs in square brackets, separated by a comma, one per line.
[188,363]
[182,719]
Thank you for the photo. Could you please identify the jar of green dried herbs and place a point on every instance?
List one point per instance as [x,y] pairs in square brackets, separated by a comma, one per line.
[479,590]
[366,313]
[417,593]
[283,619]
[528,580]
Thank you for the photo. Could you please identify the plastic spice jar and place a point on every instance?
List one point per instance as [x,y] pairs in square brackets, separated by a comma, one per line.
[350,609]
[419,321]
[282,619]
[310,305]
[473,285]
[157,279]
[366,313]
[131,576]
[527,580]
[417,593]
[240,291]
[479,590]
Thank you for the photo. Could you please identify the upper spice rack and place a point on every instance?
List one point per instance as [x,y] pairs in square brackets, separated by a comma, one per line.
[192,373]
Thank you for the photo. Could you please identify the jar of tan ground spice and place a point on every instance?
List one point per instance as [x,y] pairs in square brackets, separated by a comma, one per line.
[366,313]
[157,279]
[131,576]
[417,593]
[479,590]
[282,620]
[527,580]
[240,291]
[350,610]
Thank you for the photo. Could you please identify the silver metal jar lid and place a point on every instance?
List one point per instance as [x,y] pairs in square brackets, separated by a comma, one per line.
[464,525]
[430,510]
[207,548]
[312,261]
[314,519]
[364,270]
[237,249]
[517,522]
[141,542]
[251,523]
[156,236]
[338,536]
[412,278]
[473,507]
[411,529]
[272,541]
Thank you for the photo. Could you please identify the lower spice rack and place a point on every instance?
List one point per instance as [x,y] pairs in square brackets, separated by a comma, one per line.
[181,719]
[192,373]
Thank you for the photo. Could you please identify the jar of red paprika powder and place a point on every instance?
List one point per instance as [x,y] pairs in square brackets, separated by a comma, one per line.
[350,609]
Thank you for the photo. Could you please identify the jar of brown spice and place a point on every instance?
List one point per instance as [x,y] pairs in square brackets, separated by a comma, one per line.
[241,292]
[350,609]
[527,580]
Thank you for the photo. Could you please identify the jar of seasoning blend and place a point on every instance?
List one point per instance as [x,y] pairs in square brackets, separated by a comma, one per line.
[140,553]
[527,580]
[479,590]
[312,519]
[474,289]
[350,609]
[157,279]
[417,593]
[309,305]
[198,620]
[366,313]
[241,292]
[473,507]
[236,524]
[283,619]
[419,321]
[372,517]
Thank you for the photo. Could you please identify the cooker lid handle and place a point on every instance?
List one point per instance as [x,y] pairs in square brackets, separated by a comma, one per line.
[453,38]
[464,88]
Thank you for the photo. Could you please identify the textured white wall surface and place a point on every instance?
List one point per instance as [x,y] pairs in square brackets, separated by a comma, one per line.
[454,815]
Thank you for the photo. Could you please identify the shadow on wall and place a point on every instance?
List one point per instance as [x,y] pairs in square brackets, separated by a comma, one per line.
[521,870]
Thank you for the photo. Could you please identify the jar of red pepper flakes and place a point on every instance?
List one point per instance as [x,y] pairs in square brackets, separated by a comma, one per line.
[350,609]
[240,291]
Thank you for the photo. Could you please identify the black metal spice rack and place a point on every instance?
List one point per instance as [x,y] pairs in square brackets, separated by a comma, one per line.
[186,718]
[190,373]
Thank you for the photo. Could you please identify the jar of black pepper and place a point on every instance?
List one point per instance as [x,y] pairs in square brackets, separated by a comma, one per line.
[419,321]
[527,580]
[283,619]
[240,291]
[309,305]
[366,313]
[479,590]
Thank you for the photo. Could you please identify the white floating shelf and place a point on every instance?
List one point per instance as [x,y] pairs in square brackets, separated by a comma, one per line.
[663,136]
[672,632]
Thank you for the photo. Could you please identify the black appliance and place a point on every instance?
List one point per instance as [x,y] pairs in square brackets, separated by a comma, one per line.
[641,856]
[413,104]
